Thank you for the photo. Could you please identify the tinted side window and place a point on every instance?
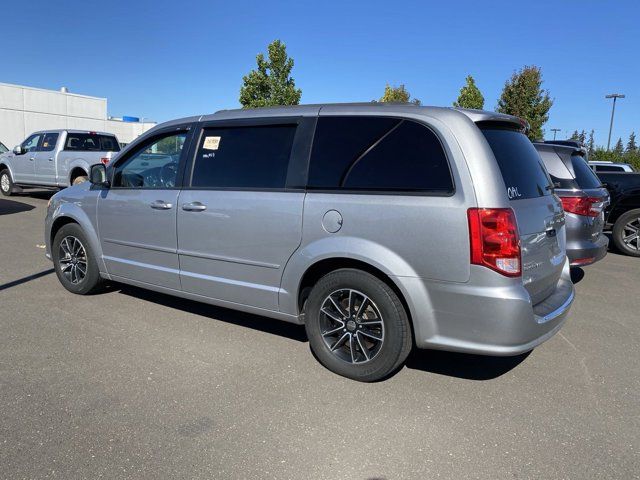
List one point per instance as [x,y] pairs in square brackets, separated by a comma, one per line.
[607,168]
[49,142]
[243,157]
[370,153]
[91,142]
[522,170]
[584,175]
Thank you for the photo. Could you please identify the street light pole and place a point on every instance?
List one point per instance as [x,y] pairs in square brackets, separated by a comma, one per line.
[615,96]
[555,130]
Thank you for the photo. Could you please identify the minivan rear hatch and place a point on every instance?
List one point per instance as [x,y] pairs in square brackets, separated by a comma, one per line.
[538,211]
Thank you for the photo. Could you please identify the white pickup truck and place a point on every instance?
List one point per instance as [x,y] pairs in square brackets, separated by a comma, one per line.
[55,159]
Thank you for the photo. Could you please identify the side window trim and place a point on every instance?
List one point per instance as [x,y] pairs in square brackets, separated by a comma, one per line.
[133,147]
[298,158]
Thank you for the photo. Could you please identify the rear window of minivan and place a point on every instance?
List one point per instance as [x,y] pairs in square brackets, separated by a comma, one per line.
[522,170]
[584,175]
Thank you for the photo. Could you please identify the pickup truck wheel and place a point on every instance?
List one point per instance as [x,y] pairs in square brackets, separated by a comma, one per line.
[74,261]
[626,233]
[357,325]
[80,179]
[6,184]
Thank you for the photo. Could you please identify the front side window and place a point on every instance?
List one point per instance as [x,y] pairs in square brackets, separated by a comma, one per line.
[3,149]
[31,143]
[49,142]
[153,165]
[243,157]
[377,154]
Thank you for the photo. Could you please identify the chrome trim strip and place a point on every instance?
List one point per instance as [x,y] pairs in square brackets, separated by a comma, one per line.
[140,245]
[242,261]
[560,310]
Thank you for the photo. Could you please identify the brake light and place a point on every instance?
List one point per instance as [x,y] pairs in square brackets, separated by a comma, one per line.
[494,239]
[104,160]
[587,206]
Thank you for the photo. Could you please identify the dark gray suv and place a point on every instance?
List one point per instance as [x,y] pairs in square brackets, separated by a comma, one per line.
[583,198]
[379,227]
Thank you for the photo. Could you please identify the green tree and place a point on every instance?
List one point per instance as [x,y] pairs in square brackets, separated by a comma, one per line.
[575,135]
[591,144]
[631,144]
[582,137]
[470,95]
[271,83]
[397,94]
[524,97]
[619,148]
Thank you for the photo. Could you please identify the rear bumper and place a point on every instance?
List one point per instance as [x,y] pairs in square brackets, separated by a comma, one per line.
[497,318]
[586,252]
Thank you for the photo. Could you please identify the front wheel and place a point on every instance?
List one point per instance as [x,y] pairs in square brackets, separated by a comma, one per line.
[626,233]
[6,183]
[74,260]
[357,325]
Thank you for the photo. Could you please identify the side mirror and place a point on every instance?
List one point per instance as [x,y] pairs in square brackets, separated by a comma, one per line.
[18,150]
[98,175]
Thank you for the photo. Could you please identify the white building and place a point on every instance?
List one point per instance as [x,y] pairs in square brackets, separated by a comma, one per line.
[24,110]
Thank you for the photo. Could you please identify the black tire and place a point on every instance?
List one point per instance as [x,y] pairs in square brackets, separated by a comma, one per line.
[346,286]
[6,183]
[91,281]
[624,228]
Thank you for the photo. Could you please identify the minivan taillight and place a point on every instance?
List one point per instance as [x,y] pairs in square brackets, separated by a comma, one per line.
[587,206]
[494,239]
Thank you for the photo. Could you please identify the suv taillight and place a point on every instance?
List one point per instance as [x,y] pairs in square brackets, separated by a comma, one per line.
[494,239]
[587,206]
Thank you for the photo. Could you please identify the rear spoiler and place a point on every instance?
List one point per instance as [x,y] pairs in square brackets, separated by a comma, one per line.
[498,120]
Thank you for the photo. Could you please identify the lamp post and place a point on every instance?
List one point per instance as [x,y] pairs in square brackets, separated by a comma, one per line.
[615,96]
[555,130]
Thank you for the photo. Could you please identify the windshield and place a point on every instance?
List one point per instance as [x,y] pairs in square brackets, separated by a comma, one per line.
[522,169]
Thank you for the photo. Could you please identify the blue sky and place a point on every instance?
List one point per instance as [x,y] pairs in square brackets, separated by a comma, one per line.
[164,60]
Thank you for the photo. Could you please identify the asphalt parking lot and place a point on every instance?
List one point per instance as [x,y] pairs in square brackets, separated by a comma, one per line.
[134,384]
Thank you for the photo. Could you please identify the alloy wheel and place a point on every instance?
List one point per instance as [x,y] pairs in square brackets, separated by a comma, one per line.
[5,184]
[72,259]
[631,234]
[351,326]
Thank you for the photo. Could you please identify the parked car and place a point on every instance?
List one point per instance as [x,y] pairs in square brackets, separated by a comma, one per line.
[55,158]
[602,166]
[3,149]
[377,226]
[583,199]
[623,214]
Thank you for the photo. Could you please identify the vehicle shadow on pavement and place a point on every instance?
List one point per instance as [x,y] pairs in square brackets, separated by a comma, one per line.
[463,365]
[7,207]
[256,322]
[577,274]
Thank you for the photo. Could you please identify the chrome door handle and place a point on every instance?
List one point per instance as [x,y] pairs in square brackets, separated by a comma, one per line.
[51,159]
[194,207]
[32,159]
[160,205]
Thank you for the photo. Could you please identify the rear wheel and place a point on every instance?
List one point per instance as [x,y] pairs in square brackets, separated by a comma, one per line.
[80,179]
[626,233]
[74,261]
[357,325]
[6,184]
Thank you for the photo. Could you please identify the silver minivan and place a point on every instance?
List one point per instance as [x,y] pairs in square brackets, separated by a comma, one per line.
[379,227]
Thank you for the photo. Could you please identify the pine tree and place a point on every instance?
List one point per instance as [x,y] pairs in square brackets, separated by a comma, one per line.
[582,138]
[619,148]
[631,144]
[271,83]
[524,97]
[575,135]
[470,96]
[591,144]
